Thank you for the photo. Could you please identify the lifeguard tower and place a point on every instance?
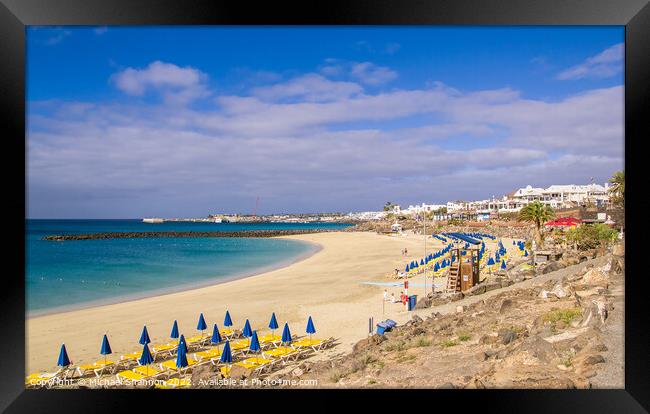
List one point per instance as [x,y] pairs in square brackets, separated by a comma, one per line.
[464,271]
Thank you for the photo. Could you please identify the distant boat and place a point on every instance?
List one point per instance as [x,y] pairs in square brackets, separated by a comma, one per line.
[152,220]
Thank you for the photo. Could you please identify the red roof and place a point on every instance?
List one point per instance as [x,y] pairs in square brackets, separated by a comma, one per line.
[565,221]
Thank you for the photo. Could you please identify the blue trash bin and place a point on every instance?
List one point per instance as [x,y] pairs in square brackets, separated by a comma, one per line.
[382,327]
[413,299]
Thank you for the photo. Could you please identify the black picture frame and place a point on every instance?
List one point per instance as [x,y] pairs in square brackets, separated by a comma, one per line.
[16,14]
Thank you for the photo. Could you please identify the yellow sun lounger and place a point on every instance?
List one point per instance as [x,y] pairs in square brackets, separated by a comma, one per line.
[170,365]
[175,383]
[258,364]
[131,356]
[270,338]
[97,368]
[209,354]
[240,344]
[147,371]
[284,353]
[157,349]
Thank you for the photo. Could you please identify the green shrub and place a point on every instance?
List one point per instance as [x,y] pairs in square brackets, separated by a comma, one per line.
[586,237]
[564,315]
[448,343]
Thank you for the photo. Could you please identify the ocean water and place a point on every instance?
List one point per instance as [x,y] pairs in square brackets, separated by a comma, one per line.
[77,273]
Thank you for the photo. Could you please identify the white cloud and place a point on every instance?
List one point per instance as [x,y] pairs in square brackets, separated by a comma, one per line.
[371,74]
[309,144]
[178,85]
[309,88]
[607,63]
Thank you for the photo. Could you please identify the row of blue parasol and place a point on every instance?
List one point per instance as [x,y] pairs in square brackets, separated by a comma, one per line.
[181,358]
[425,261]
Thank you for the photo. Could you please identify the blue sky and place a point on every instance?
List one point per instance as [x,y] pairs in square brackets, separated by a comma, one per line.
[186,121]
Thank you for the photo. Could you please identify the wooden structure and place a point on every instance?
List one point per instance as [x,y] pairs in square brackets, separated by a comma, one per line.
[464,271]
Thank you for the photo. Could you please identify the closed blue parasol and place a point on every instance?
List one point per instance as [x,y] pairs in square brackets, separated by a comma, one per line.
[106,348]
[526,253]
[174,333]
[503,264]
[226,355]
[490,261]
[273,324]
[182,343]
[181,358]
[227,321]
[201,326]
[254,345]
[247,331]
[144,337]
[146,358]
[310,328]
[216,336]
[407,268]
[63,361]
[286,334]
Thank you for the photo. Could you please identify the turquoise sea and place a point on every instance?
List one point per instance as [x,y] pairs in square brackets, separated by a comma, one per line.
[77,273]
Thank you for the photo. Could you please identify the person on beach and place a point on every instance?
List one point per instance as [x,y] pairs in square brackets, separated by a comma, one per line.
[406,252]
[392,298]
[385,295]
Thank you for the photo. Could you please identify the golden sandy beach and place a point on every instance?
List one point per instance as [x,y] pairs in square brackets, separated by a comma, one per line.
[326,286]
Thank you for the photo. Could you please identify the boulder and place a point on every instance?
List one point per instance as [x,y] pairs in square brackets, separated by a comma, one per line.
[202,374]
[619,250]
[492,286]
[538,348]
[551,267]
[594,276]
[423,304]
[416,319]
[476,290]
[506,336]
[460,309]
[456,296]
[239,372]
[505,305]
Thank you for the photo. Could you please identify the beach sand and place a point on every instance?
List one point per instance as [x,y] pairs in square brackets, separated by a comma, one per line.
[328,286]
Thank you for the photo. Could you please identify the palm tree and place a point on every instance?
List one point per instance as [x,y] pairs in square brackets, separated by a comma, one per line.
[538,214]
[617,189]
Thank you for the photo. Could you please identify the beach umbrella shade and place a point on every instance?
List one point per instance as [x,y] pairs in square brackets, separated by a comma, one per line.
[216,336]
[490,261]
[174,333]
[201,326]
[247,331]
[286,334]
[226,355]
[310,328]
[273,324]
[526,253]
[181,358]
[421,262]
[106,348]
[146,358]
[227,321]
[254,345]
[64,360]
[144,337]
[182,343]
[407,268]
[503,265]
